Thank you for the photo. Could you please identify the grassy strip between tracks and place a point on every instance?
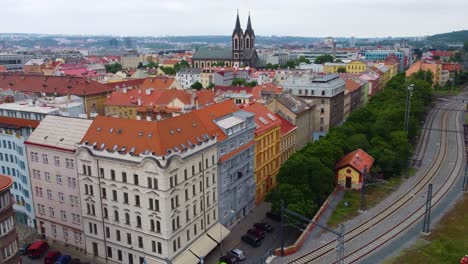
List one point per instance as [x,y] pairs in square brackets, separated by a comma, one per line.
[374,195]
[457,89]
[447,242]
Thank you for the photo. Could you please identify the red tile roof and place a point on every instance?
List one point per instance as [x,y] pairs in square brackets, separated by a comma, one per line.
[61,85]
[451,67]
[139,135]
[351,85]
[267,87]
[5,182]
[286,126]
[2,68]
[17,122]
[264,118]
[208,114]
[442,53]
[126,83]
[357,159]
[171,61]
[157,83]
[233,89]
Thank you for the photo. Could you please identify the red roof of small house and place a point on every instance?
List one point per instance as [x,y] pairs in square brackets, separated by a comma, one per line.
[17,123]
[286,126]
[5,182]
[267,87]
[264,118]
[357,159]
[127,83]
[171,61]
[61,85]
[451,67]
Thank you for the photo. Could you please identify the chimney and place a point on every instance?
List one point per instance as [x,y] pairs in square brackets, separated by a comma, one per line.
[138,117]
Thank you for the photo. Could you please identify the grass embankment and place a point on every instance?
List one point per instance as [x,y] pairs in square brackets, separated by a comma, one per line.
[373,195]
[457,89]
[447,242]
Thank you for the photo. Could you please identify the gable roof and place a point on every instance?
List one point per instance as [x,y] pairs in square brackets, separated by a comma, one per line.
[61,85]
[59,132]
[286,126]
[352,85]
[264,118]
[139,136]
[357,159]
[212,53]
[157,83]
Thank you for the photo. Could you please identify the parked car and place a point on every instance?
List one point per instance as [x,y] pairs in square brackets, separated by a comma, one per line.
[23,250]
[256,232]
[252,240]
[228,259]
[75,261]
[264,226]
[37,249]
[238,253]
[274,216]
[51,257]
[64,259]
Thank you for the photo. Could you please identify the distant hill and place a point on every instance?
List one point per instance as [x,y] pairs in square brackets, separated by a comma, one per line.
[455,36]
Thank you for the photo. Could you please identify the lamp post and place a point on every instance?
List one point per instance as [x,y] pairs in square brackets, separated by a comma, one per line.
[409,94]
[221,233]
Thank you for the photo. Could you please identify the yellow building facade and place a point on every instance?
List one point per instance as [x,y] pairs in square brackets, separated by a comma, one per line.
[267,149]
[332,67]
[356,67]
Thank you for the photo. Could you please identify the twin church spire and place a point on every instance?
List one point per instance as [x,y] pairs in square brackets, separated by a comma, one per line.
[241,40]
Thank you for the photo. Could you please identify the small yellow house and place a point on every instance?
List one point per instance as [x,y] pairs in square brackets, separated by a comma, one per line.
[356,67]
[332,67]
[351,168]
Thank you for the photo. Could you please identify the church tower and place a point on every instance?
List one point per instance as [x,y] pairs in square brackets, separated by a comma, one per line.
[237,41]
[249,36]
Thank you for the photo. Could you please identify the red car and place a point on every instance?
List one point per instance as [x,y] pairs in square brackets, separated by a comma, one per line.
[37,249]
[257,232]
[51,257]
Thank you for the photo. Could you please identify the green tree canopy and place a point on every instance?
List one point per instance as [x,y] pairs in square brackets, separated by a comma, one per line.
[197,86]
[324,58]
[341,70]
[239,82]
[113,67]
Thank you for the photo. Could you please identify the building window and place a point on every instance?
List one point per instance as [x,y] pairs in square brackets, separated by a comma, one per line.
[138,218]
[45,159]
[113,175]
[137,200]
[135,179]
[124,177]
[129,238]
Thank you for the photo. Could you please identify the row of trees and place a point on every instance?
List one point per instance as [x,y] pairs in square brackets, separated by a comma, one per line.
[289,64]
[308,177]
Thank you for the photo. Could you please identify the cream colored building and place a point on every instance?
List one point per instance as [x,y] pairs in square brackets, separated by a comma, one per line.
[149,190]
[54,183]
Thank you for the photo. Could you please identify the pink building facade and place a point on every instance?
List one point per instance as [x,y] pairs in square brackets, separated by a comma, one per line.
[54,179]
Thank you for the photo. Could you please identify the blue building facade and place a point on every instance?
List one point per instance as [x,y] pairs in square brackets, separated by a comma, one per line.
[236,182]
[14,163]
[376,55]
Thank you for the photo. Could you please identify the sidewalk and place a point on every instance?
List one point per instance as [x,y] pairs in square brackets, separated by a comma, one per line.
[234,238]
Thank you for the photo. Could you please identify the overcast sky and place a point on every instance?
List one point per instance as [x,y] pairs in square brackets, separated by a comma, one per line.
[319,18]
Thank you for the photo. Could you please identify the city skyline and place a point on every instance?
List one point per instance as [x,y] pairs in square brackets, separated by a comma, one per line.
[361,19]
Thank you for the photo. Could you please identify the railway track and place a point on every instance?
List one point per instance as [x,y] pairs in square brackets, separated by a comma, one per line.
[319,253]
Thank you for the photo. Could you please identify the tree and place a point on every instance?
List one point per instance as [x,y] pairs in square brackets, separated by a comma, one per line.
[270,66]
[197,86]
[436,57]
[181,65]
[251,84]
[113,67]
[338,61]
[168,70]
[239,82]
[303,59]
[341,70]
[140,65]
[324,58]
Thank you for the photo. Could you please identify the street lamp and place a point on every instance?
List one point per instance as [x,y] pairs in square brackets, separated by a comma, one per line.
[409,94]
[221,232]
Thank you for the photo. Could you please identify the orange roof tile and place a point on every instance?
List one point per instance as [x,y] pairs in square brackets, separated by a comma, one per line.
[171,62]
[5,182]
[286,126]
[140,136]
[157,83]
[357,159]
[208,114]
[61,85]
[351,85]
[267,87]
[17,122]
[264,118]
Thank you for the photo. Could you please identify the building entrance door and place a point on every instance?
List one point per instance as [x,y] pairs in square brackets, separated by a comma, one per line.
[348,182]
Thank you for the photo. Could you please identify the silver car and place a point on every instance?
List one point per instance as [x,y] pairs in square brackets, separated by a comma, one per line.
[238,254]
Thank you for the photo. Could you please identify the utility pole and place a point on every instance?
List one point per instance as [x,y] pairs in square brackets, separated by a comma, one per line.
[427,215]
[340,250]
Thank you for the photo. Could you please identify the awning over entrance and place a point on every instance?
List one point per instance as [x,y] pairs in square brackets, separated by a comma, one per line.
[203,246]
[187,257]
[218,232]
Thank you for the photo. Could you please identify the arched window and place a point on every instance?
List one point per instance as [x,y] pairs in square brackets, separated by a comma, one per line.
[116,215]
[158,227]
[127,218]
[236,43]
[152,225]
[247,43]
[202,64]
[138,218]
[251,43]
[105,213]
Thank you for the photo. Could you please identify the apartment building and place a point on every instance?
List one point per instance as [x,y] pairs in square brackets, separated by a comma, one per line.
[288,139]
[54,180]
[14,163]
[8,236]
[149,190]
[327,93]
[188,76]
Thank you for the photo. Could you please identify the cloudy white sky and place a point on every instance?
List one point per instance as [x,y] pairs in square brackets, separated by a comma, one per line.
[360,18]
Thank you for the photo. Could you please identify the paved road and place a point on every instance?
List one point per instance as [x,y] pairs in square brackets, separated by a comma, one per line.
[380,229]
